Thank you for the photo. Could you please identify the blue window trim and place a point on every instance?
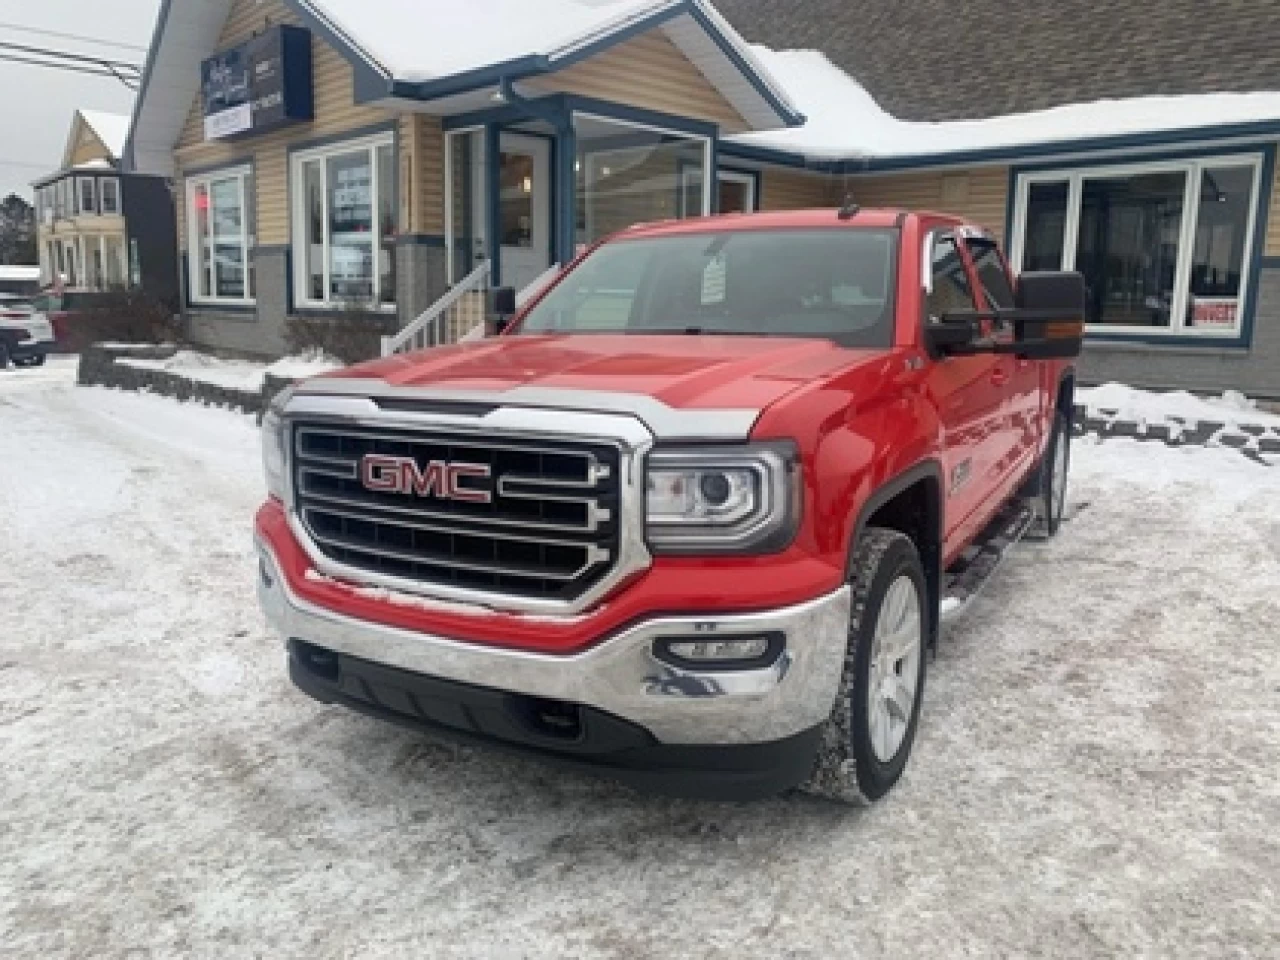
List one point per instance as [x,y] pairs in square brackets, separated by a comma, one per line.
[1257,257]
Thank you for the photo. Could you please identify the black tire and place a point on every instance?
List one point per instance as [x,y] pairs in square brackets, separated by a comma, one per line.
[1051,498]
[4,355]
[36,361]
[847,768]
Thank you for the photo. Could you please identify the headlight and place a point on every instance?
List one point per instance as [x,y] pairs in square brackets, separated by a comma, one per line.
[274,446]
[742,499]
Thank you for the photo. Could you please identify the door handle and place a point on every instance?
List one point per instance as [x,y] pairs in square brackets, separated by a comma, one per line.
[999,377]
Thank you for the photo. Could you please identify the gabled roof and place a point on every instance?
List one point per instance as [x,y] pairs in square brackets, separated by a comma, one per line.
[111,128]
[438,50]
[956,59]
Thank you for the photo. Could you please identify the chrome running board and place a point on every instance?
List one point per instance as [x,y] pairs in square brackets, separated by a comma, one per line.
[965,579]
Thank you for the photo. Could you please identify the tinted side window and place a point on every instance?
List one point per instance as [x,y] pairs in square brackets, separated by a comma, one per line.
[991,273]
[950,286]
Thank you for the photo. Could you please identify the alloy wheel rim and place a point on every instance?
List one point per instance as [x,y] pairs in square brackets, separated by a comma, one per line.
[894,672]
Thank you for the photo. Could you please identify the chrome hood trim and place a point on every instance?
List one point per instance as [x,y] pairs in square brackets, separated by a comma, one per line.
[663,422]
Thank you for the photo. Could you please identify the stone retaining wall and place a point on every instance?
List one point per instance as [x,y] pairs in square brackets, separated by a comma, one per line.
[98,367]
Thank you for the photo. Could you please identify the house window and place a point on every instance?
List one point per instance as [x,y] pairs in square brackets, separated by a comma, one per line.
[1164,247]
[110,195]
[736,191]
[344,224]
[88,195]
[220,236]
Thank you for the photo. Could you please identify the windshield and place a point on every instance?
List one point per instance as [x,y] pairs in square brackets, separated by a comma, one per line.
[830,283]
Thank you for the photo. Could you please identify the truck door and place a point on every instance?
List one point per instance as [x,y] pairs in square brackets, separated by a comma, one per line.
[1021,430]
[970,396]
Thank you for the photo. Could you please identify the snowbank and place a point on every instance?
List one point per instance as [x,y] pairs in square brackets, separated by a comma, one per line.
[1116,401]
[236,374]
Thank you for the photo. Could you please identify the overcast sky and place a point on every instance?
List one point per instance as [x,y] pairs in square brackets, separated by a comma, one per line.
[36,103]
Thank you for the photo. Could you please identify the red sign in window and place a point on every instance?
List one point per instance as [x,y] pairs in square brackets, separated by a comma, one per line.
[1214,313]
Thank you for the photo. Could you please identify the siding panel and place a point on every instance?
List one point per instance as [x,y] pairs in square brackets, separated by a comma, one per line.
[649,72]
[980,195]
[789,190]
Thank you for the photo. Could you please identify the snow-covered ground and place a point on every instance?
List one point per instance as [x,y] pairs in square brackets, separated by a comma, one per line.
[1097,773]
[235,374]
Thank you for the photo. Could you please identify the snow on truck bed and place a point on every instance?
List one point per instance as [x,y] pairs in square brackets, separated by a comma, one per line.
[1095,773]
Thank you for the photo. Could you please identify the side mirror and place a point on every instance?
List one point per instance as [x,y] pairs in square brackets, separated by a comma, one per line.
[502,304]
[1049,315]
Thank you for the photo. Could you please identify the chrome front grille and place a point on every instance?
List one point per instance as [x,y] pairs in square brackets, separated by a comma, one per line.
[550,529]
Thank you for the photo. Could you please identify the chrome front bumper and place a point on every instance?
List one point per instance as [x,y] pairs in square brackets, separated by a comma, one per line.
[620,675]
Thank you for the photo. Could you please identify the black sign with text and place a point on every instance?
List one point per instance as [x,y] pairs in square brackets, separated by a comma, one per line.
[262,84]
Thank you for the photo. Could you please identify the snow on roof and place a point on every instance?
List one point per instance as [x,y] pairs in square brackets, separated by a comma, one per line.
[844,122]
[419,40]
[112,129]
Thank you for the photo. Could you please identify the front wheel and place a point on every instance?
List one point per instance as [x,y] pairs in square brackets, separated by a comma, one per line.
[36,361]
[868,736]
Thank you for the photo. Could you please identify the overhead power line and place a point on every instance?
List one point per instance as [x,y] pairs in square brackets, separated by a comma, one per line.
[128,74]
[72,36]
[65,55]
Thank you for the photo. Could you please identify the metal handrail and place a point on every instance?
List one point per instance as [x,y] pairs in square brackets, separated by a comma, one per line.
[411,337]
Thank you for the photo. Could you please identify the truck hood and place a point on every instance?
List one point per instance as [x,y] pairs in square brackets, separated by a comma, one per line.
[683,372]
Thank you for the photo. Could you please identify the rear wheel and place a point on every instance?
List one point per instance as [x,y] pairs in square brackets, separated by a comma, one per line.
[36,361]
[4,355]
[1051,500]
[868,736]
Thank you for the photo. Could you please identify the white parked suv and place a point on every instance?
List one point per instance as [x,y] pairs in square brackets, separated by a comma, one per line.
[26,336]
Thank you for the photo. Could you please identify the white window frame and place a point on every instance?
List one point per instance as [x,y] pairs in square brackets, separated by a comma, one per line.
[749,180]
[81,183]
[708,155]
[298,217]
[114,184]
[1194,167]
[195,248]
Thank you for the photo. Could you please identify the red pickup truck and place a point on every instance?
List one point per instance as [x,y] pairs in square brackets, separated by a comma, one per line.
[694,516]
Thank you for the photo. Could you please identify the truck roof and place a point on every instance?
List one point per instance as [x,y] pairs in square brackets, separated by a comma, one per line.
[815,218]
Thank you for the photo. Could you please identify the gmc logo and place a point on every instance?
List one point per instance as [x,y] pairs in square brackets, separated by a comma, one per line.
[438,478]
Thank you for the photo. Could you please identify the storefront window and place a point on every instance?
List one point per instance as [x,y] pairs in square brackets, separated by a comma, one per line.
[1217,253]
[629,175]
[735,191]
[1163,247]
[220,244]
[345,224]
[1046,226]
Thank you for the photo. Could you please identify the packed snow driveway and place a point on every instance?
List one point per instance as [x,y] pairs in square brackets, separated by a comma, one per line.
[1098,770]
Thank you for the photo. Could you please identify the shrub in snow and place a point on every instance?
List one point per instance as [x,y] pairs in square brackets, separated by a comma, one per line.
[130,316]
[352,334]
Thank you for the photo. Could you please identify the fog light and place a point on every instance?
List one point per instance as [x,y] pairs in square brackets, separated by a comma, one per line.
[720,653]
